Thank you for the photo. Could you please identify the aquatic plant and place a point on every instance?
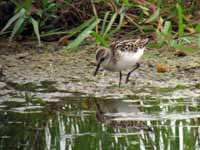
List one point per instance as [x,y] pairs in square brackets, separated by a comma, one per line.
[165,21]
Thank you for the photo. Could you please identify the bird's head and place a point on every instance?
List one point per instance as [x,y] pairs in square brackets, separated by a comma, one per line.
[102,56]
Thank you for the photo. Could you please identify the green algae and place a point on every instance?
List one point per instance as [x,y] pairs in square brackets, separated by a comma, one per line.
[169,89]
[197,85]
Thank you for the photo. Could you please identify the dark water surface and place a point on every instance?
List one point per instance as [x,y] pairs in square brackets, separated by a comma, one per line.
[42,117]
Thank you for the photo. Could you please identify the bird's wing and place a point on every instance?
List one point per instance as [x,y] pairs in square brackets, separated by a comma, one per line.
[128,45]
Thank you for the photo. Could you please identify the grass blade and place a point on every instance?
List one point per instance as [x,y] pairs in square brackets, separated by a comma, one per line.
[44,3]
[134,23]
[110,23]
[104,22]
[167,27]
[120,22]
[85,33]
[154,16]
[28,4]
[198,41]
[16,28]
[159,37]
[71,32]
[81,27]
[180,20]
[174,44]
[21,13]
[118,26]
[126,2]
[143,8]
[197,28]
[99,38]
[36,29]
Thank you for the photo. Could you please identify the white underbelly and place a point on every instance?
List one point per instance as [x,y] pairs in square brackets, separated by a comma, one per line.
[126,61]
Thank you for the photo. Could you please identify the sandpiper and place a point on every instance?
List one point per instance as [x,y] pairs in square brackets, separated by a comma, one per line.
[121,55]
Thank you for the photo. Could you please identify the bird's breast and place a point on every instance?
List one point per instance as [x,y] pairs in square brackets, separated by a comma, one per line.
[124,60]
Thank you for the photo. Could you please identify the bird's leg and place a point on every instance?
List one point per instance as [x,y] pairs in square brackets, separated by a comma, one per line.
[128,75]
[120,78]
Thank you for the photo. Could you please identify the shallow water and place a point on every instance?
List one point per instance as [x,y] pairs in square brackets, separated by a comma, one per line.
[39,116]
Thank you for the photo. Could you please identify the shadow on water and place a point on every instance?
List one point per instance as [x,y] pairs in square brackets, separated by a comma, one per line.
[42,117]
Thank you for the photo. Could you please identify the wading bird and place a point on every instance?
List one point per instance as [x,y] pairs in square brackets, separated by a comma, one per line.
[121,55]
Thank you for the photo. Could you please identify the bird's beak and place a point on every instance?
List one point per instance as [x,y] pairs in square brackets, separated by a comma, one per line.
[97,68]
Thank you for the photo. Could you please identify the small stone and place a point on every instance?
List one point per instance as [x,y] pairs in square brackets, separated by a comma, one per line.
[161,68]
[63,40]
[180,53]
[22,55]
[2,85]
[93,63]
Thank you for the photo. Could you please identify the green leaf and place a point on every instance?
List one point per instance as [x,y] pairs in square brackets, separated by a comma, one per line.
[159,37]
[197,28]
[166,32]
[120,22]
[118,26]
[16,28]
[165,35]
[151,55]
[117,1]
[27,4]
[20,14]
[104,22]
[142,7]
[126,2]
[154,45]
[99,38]
[174,44]
[15,3]
[167,27]
[81,27]
[110,23]
[85,33]
[147,28]
[154,16]
[187,40]
[71,32]
[180,20]
[36,29]
[45,3]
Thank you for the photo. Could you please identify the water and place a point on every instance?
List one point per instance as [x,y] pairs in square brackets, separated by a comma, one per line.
[42,117]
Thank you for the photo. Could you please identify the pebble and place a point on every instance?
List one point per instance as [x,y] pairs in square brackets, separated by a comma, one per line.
[2,85]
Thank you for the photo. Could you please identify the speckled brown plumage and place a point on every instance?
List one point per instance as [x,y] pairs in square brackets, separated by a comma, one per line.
[126,45]
[121,55]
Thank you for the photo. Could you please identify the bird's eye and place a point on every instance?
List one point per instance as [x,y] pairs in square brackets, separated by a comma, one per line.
[102,59]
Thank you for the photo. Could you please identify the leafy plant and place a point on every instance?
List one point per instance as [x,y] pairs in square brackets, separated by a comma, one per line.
[164,35]
[172,23]
[180,20]
[106,28]
[85,33]
[19,20]
[108,23]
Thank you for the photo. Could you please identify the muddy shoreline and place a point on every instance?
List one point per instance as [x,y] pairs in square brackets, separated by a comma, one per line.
[72,71]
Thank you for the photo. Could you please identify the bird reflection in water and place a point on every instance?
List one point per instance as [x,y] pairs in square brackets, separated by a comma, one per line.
[120,114]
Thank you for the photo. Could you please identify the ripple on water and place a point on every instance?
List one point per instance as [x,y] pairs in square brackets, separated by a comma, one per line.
[148,118]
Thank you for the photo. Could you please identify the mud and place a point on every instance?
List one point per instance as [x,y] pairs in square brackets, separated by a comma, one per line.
[73,71]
